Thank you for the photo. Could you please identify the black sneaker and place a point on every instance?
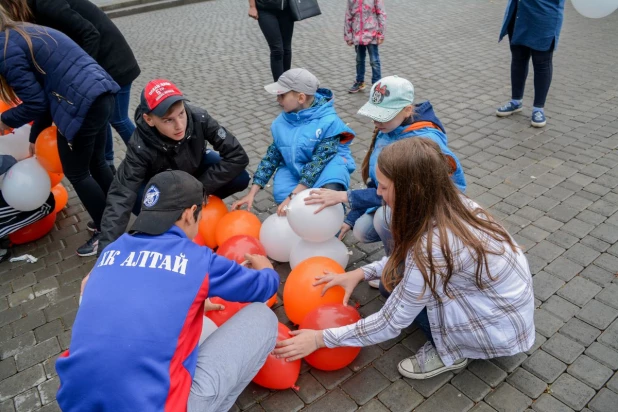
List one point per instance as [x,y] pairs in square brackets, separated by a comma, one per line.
[357,87]
[91,246]
[91,226]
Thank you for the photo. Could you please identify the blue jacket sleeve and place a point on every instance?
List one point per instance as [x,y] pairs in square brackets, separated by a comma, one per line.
[19,75]
[235,283]
[364,198]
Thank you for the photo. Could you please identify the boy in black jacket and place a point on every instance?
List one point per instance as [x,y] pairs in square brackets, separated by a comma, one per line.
[172,135]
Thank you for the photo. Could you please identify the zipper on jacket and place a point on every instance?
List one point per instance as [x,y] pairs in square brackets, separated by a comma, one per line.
[60,98]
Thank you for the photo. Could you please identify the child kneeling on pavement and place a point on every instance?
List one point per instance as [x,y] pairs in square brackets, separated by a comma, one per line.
[134,344]
[454,271]
[311,146]
[170,134]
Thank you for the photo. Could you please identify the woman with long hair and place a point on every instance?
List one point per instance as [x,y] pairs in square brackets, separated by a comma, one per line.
[454,271]
[50,78]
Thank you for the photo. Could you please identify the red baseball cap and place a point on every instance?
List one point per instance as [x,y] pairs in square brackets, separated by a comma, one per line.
[159,95]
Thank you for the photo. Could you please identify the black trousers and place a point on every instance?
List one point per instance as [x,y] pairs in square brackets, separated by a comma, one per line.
[83,160]
[278,28]
[543,71]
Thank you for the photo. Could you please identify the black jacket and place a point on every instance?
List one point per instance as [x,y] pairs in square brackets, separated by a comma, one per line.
[93,31]
[149,153]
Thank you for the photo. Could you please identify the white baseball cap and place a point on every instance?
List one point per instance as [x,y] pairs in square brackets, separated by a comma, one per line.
[387,98]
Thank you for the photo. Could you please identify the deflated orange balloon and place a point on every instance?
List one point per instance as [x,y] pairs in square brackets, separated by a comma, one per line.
[61,196]
[238,222]
[214,210]
[46,148]
[300,296]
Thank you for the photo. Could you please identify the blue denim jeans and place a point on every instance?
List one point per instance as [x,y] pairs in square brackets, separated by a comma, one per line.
[120,121]
[421,320]
[373,227]
[374,60]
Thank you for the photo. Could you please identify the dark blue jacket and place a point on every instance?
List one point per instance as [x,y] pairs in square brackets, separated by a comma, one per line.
[71,83]
[537,23]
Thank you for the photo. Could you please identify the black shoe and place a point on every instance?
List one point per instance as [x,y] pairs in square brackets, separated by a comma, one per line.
[91,246]
[91,227]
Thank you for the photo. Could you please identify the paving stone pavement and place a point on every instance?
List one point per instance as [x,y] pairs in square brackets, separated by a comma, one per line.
[554,188]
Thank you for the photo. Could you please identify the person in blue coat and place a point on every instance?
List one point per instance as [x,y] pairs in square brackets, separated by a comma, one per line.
[311,144]
[135,343]
[533,27]
[50,78]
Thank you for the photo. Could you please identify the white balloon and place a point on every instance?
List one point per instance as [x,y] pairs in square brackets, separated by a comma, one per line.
[26,185]
[16,143]
[311,226]
[278,238]
[333,248]
[208,328]
[595,9]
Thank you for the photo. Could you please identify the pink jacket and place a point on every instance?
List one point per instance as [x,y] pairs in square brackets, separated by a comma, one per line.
[365,22]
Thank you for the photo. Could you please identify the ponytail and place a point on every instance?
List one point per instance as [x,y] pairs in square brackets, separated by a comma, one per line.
[365,166]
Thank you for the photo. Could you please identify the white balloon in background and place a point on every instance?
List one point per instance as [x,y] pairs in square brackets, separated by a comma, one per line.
[311,226]
[16,143]
[333,248]
[278,238]
[208,328]
[26,185]
[595,9]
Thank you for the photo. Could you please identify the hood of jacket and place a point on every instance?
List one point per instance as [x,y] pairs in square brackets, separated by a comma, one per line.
[423,112]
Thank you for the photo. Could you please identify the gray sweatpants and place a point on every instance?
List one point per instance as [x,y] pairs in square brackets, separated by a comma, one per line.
[230,358]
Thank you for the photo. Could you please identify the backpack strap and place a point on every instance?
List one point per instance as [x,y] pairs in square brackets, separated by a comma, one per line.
[420,125]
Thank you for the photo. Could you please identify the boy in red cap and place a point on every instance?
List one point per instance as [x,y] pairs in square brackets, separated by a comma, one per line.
[170,135]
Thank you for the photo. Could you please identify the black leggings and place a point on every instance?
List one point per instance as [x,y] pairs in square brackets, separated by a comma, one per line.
[278,28]
[543,70]
[83,162]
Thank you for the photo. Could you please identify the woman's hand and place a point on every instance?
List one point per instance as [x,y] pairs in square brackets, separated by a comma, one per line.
[325,198]
[345,228]
[304,342]
[347,281]
[253,13]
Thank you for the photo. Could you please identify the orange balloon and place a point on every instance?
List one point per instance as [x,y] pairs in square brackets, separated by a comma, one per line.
[61,195]
[300,296]
[271,302]
[3,108]
[214,210]
[34,230]
[277,373]
[219,317]
[238,222]
[55,178]
[46,148]
[331,316]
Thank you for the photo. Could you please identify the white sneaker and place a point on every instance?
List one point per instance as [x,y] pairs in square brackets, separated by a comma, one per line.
[375,283]
[427,364]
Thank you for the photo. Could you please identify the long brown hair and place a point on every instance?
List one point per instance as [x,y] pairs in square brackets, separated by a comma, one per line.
[427,205]
[6,25]
[17,10]
[372,146]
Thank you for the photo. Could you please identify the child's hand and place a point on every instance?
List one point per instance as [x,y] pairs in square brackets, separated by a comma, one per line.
[208,306]
[380,40]
[258,262]
[245,200]
[253,13]
[302,343]
[350,42]
[345,228]
[281,210]
[325,198]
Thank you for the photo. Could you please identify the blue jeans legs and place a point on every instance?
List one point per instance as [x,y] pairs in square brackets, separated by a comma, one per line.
[120,121]
[374,60]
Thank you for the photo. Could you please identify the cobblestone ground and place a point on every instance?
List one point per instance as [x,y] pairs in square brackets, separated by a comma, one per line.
[555,189]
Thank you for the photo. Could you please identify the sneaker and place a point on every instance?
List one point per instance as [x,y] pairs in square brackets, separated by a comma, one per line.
[508,109]
[357,87]
[5,254]
[427,364]
[374,283]
[91,246]
[538,119]
[91,227]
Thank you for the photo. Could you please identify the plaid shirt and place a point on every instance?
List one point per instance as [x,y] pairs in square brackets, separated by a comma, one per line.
[476,323]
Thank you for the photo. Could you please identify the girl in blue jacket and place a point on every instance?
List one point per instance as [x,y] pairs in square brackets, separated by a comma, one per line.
[391,106]
[55,80]
[533,27]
